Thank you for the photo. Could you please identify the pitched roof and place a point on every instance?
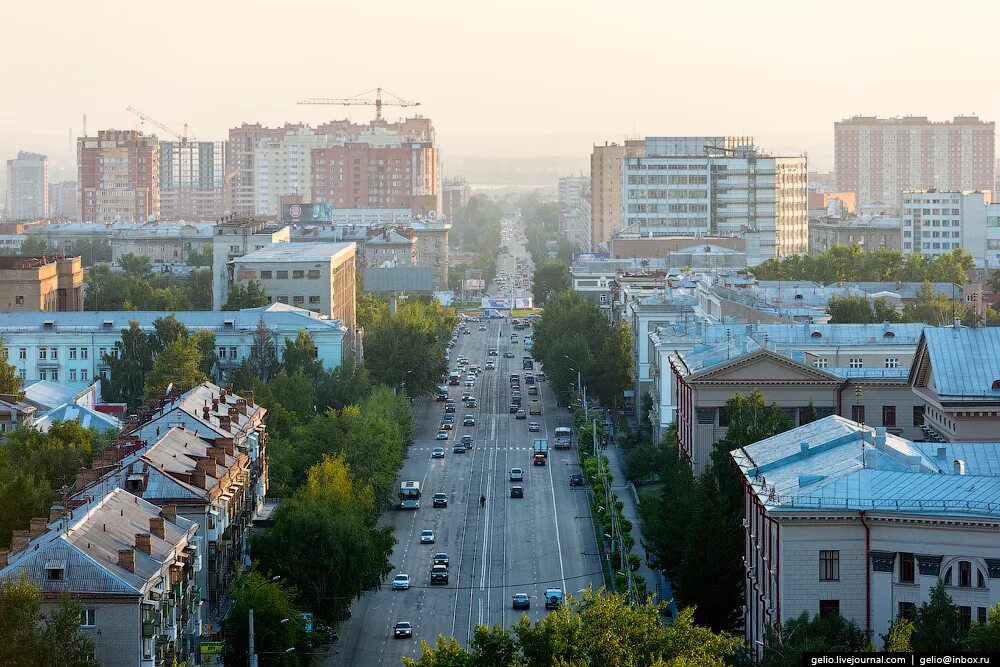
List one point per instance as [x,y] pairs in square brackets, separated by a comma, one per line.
[78,413]
[965,363]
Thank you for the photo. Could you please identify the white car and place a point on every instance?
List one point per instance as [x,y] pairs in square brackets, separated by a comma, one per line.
[401,582]
[437,453]
[427,537]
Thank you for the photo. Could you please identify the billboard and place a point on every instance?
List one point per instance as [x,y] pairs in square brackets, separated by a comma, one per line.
[475,284]
[504,304]
[399,279]
[303,214]
[590,257]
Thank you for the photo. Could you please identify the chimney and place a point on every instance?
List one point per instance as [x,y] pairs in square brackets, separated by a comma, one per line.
[126,559]
[958,466]
[249,398]
[156,527]
[198,478]
[226,444]
[219,453]
[958,323]
[3,558]
[942,452]
[144,543]
[241,405]
[19,540]
[234,415]
[215,404]
[871,458]
[222,397]
[804,447]
[55,512]
[205,412]
[225,422]
[169,513]
[37,528]
[880,438]
[206,466]
[85,477]
[229,388]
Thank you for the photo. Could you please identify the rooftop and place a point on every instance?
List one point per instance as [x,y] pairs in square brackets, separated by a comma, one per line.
[299,252]
[965,363]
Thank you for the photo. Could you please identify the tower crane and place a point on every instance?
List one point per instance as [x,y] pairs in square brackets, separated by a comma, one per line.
[152,121]
[360,99]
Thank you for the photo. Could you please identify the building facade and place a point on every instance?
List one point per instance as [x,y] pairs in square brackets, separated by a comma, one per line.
[192,180]
[936,222]
[40,284]
[879,158]
[605,187]
[234,237]
[870,234]
[454,196]
[27,187]
[283,167]
[240,161]
[63,201]
[162,243]
[119,176]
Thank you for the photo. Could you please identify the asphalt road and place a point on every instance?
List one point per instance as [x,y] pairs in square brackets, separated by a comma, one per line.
[513,545]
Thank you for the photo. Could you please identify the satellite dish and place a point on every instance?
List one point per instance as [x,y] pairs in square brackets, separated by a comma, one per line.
[431,215]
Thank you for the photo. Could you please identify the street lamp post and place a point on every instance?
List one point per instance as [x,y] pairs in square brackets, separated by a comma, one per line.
[580,387]
[251,653]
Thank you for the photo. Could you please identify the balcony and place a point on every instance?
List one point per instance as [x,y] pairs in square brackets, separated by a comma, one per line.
[148,630]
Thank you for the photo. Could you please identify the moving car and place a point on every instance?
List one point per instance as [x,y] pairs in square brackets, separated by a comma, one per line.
[482,327]
[441,435]
[490,366]
[513,408]
[449,406]
[469,420]
[576,480]
[402,630]
[447,425]
[466,441]
[533,427]
[472,403]
[440,500]
[401,582]
[520,414]
[441,558]
[427,537]
[521,601]
[517,492]
[459,448]
[508,355]
[553,598]
[516,475]
[439,574]
[538,460]
[438,452]
[492,352]
[540,377]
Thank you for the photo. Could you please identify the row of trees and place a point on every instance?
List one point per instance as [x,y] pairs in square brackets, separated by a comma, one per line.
[599,629]
[138,287]
[476,229]
[851,263]
[574,335]
[542,230]
[929,307]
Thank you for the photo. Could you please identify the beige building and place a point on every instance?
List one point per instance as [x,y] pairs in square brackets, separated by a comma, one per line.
[432,249]
[33,284]
[234,237]
[871,234]
[119,177]
[389,248]
[606,187]
[316,276]
[162,244]
[130,564]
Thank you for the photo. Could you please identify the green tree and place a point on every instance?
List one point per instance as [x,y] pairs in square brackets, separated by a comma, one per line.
[199,289]
[23,496]
[816,635]
[985,637]
[551,276]
[405,350]
[937,626]
[300,355]
[128,365]
[808,415]
[932,308]
[167,330]
[615,365]
[858,309]
[10,381]
[263,353]
[370,310]
[899,639]
[204,340]
[272,603]
[35,246]
[346,385]
[31,637]
[251,295]
[135,266]
[178,364]
[200,256]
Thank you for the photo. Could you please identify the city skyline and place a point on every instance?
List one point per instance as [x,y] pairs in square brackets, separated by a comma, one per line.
[479,94]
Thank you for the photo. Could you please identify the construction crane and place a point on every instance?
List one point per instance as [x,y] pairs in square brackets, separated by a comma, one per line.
[152,121]
[360,99]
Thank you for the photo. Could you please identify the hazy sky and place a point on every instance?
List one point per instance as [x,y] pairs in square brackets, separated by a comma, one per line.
[512,78]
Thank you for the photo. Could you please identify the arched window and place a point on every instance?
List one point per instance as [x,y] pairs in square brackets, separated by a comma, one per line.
[960,574]
[996,385]
[888,334]
[816,334]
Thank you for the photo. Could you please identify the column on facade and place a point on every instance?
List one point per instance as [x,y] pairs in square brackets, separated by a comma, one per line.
[880,596]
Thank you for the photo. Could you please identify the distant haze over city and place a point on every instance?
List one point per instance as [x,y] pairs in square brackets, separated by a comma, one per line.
[526,82]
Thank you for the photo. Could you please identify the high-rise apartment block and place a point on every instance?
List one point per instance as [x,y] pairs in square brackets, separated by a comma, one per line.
[119,176]
[606,187]
[192,179]
[454,197]
[879,158]
[62,200]
[717,186]
[27,187]
[282,167]
[242,149]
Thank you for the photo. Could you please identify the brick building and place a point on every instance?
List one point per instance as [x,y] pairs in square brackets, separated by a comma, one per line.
[119,176]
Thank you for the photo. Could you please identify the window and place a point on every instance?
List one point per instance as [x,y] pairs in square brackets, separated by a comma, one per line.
[965,574]
[604,298]
[820,362]
[981,615]
[84,375]
[234,248]
[265,275]
[314,299]
[43,375]
[42,353]
[282,299]
[222,353]
[55,573]
[829,566]
[966,614]
[858,413]
[888,415]
[22,353]
[55,375]
[72,375]
[54,352]
[906,610]
[282,275]
[723,417]
[313,274]
[856,362]
[88,618]
[706,416]
[72,353]
[828,608]
[918,415]
[906,568]
[84,353]
[232,353]
[980,579]
[892,362]
[298,300]
[298,274]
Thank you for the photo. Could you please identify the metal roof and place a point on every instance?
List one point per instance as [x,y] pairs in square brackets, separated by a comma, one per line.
[49,395]
[298,252]
[86,417]
[965,363]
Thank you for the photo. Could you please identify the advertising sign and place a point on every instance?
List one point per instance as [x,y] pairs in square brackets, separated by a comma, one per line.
[301,214]
[475,284]
[590,257]
[211,654]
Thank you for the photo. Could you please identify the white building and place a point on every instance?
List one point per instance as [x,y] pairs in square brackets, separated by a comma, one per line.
[283,166]
[235,237]
[69,347]
[842,518]
[935,223]
[570,190]
[192,180]
[27,187]
[717,191]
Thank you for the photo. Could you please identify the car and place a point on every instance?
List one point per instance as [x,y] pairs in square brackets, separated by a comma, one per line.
[440,558]
[508,355]
[521,601]
[459,448]
[441,435]
[576,480]
[447,426]
[538,460]
[466,441]
[516,475]
[492,352]
[472,403]
[540,377]
[482,327]
[466,396]
[439,574]
[490,366]
[401,582]
[449,406]
[427,537]
[448,417]
[440,500]
[533,427]
[532,390]
[470,382]
[515,393]
[513,408]
[520,414]
[517,492]
[467,332]
[469,420]
[402,630]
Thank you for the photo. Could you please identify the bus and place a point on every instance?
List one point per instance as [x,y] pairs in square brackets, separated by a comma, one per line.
[527,363]
[563,438]
[409,495]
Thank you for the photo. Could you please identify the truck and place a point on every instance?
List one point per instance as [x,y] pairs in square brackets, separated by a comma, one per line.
[540,446]
[563,437]
[535,407]
[527,363]
[553,598]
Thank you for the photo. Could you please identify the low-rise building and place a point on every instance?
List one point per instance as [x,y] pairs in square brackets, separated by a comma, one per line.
[936,222]
[234,237]
[131,566]
[163,243]
[871,234]
[41,284]
[69,348]
[842,518]
[14,413]
[385,248]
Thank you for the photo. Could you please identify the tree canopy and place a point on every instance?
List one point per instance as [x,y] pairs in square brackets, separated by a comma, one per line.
[31,637]
[278,623]
[138,287]
[407,349]
[10,381]
[551,276]
[851,263]
[251,295]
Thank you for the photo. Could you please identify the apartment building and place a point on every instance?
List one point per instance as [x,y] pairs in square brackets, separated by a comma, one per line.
[388,248]
[63,200]
[119,176]
[69,348]
[192,180]
[879,158]
[131,565]
[432,249]
[283,167]
[234,237]
[606,190]
[936,222]
[27,187]
[319,277]
[162,243]
[241,150]
[871,234]
[842,518]
[40,284]
[716,190]
[454,196]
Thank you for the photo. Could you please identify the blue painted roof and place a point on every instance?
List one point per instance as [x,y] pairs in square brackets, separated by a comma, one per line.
[964,362]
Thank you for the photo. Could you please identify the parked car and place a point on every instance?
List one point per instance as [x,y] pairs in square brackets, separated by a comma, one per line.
[402,630]
[401,582]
